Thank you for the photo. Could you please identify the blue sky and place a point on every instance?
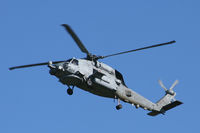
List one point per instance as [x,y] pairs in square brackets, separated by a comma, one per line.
[33,101]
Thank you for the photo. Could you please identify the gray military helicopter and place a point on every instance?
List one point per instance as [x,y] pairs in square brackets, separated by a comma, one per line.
[100,79]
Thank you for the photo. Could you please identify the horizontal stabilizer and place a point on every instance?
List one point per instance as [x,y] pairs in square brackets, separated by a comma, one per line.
[172,105]
[154,113]
[165,108]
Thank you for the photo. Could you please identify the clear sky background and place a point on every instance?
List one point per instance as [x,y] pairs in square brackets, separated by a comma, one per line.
[32,101]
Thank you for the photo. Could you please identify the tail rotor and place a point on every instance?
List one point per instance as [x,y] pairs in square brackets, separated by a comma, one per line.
[167,102]
[169,91]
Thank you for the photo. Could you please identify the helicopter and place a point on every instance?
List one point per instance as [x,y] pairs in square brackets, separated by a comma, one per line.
[91,75]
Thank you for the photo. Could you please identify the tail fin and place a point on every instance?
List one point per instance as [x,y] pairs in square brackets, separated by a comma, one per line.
[167,102]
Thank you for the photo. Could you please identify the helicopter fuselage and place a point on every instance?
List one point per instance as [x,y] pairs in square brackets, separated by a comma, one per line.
[99,79]
[95,77]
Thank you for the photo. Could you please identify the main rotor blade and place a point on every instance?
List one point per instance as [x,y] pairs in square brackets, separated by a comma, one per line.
[76,39]
[157,45]
[32,65]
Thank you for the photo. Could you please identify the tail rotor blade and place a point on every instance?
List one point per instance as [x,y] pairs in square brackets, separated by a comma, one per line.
[173,85]
[162,85]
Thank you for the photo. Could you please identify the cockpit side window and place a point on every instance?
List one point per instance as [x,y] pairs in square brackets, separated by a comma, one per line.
[75,62]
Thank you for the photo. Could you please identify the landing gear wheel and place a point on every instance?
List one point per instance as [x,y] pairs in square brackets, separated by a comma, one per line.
[69,91]
[118,107]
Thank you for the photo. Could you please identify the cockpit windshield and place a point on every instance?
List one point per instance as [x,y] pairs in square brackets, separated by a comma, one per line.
[69,60]
[75,62]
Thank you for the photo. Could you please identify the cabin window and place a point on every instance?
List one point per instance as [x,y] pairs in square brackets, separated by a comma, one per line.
[119,76]
[128,93]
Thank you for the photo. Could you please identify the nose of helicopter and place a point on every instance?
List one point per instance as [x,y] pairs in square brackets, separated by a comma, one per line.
[53,71]
[54,68]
